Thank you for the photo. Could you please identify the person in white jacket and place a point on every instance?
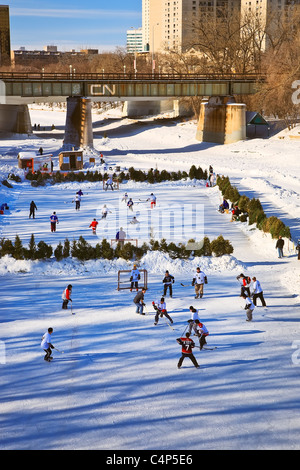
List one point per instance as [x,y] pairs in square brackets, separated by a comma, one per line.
[249,307]
[47,345]
[199,280]
[257,292]
[202,332]
[134,278]
[193,320]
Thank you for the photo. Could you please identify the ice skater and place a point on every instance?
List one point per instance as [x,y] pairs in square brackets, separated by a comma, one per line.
[139,301]
[187,345]
[257,292]
[32,210]
[161,310]
[94,224]
[192,320]
[202,332]
[134,278]
[66,296]
[46,345]
[53,221]
[249,307]
[168,280]
[199,280]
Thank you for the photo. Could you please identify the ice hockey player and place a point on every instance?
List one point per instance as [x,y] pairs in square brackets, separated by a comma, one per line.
[192,320]
[32,209]
[105,211]
[168,280]
[202,332]
[139,301]
[257,292]
[298,248]
[245,282]
[187,345]
[124,198]
[152,200]
[77,201]
[161,310]
[94,224]
[47,345]
[130,204]
[109,182]
[198,281]
[249,307]
[120,237]
[134,278]
[134,221]
[53,221]
[66,296]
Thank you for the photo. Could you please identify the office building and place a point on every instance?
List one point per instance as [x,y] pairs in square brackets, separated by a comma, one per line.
[134,40]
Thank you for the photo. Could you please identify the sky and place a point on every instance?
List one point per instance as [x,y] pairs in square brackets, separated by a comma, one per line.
[72,24]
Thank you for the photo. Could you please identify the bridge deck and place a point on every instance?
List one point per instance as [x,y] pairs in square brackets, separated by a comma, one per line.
[99,86]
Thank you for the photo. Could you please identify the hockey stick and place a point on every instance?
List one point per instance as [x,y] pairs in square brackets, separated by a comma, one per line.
[72,308]
[168,323]
[61,352]
[147,313]
[185,285]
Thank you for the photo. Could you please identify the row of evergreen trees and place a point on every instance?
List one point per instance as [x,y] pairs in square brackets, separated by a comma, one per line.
[83,251]
[151,176]
[252,210]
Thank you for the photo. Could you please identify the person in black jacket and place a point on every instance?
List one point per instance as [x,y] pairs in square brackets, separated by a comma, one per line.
[139,301]
[168,280]
[32,209]
[298,248]
[279,246]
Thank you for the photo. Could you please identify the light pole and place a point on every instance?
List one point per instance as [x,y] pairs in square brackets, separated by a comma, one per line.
[153,63]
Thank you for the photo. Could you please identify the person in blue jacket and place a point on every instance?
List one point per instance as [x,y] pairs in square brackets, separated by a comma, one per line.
[53,221]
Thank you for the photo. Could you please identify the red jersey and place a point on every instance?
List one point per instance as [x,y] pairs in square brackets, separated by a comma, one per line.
[187,345]
[94,224]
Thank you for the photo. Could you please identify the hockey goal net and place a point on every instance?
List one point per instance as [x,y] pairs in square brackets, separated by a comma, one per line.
[115,184]
[124,279]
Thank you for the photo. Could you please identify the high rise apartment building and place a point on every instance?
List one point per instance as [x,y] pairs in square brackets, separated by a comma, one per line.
[5,52]
[168,24]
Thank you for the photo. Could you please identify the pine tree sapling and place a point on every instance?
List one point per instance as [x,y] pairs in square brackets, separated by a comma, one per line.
[18,248]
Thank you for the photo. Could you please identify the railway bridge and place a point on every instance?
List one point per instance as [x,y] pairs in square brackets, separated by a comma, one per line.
[221,118]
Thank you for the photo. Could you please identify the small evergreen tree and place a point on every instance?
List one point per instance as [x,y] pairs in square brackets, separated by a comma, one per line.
[58,252]
[18,248]
[66,249]
[43,251]
[31,252]
[220,246]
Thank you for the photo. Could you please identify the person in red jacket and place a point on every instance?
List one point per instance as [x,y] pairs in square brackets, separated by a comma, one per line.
[187,345]
[66,296]
[94,225]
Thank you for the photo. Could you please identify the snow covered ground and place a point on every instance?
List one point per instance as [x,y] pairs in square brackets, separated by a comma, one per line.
[117,386]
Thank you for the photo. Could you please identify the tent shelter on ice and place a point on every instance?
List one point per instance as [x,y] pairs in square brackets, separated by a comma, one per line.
[32,162]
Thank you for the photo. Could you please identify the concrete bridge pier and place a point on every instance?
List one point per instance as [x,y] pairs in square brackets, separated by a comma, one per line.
[15,119]
[79,129]
[221,120]
[175,108]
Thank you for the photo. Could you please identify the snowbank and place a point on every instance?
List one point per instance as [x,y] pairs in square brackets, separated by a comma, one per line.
[155,262]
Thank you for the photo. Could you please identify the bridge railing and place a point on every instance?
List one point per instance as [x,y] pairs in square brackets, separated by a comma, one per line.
[75,76]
